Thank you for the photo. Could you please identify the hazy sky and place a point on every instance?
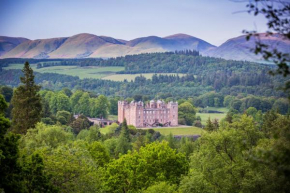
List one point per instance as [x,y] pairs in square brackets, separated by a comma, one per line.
[211,20]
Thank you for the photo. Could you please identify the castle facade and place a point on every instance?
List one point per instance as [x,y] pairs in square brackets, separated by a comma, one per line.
[154,113]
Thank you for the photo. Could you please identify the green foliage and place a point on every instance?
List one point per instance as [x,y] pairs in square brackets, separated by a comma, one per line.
[103,107]
[124,139]
[84,104]
[90,135]
[49,136]
[74,100]
[274,151]
[7,92]
[186,113]
[26,103]
[72,168]
[163,187]
[62,102]
[80,123]
[156,162]
[99,153]
[220,162]
[36,179]
[64,117]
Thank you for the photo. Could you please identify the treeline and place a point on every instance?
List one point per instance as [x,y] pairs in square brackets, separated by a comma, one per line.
[170,85]
[118,61]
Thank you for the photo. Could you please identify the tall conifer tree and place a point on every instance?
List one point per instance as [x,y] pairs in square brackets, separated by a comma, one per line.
[26,103]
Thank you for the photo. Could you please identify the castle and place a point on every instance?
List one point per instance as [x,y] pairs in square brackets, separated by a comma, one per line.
[154,113]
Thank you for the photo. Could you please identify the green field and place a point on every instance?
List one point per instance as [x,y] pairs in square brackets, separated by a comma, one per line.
[106,73]
[129,77]
[180,130]
[113,117]
[205,116]
[81,72]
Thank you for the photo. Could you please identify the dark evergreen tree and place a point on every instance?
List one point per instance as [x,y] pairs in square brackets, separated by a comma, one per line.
[124,140]
[36,180]
[26,103]
[10,171]
[209,126]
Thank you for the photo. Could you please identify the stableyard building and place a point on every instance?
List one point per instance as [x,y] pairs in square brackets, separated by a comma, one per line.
[154,113]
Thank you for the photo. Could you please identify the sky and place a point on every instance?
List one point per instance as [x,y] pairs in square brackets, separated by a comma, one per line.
[214,21]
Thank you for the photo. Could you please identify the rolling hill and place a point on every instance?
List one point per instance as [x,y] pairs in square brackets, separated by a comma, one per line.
[92,46]
[8,43]
[89,45]
[240,49]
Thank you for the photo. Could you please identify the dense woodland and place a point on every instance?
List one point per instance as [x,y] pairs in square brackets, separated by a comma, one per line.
[51,151]
[204,74]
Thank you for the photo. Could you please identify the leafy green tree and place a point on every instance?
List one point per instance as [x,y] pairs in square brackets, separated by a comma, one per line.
[66,91]
[99,153]
[10,170]
[62,102]
[124,139]
[91,135]
[163,187]
[187,112]
[80,123]
[209,126]
[26,103]
[114,106]
[171,141]
[74,100]
[186,146]
[281,105]
[72,168]
[84,104]
[156,162]
[103,107]
[36,179]
[274,152]
[64,117]
[221,162]
[7,92]
[49,136]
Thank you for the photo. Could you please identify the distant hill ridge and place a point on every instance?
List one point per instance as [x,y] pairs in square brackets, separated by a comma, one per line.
[92,46]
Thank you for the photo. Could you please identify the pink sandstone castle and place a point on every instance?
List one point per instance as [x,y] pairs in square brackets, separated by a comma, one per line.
[154,113]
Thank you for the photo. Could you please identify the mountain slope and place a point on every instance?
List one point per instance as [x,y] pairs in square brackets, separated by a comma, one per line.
[184,41]
[82,46]
[35,48]
[240,49]
[8,43]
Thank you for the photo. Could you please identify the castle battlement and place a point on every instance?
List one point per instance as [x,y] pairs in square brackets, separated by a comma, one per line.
[152,114]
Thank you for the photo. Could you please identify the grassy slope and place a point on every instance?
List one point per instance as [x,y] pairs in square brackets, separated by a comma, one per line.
[180,130]
[81,72]
[219,116]
[129,77]
[106,73]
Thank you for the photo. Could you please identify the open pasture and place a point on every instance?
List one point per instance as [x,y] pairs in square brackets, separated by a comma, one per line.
[179,130]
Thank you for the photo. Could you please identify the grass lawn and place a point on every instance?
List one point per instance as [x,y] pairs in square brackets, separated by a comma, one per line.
[113,117]
[180,130]
[205,116]
[81,72]
[129,77]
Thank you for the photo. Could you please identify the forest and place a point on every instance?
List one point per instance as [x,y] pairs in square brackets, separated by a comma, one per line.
[52,151]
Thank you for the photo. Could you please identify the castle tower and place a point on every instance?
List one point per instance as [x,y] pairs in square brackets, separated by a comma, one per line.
[121,110]
[173,113]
